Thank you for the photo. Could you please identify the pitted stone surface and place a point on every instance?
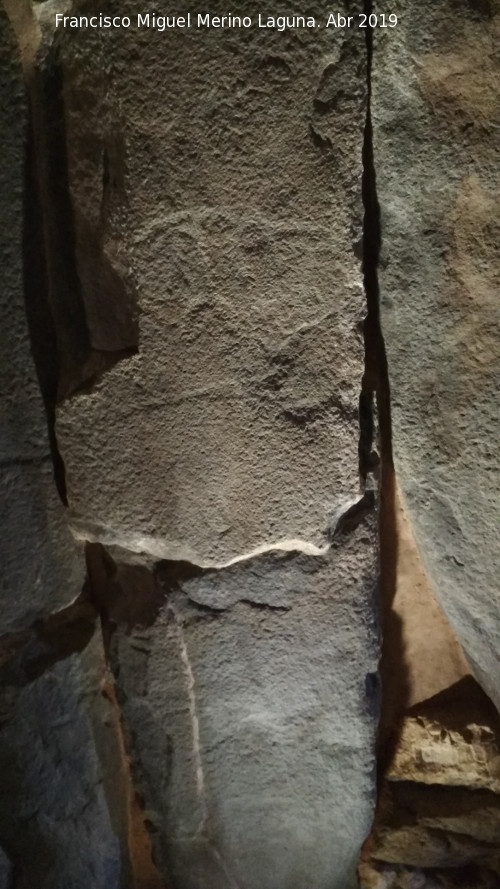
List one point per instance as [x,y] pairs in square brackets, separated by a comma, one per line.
[223,192]
[436,116]
[228,445]
[53,814]
[236,425]
[41,570]
[251,719]
[54,822]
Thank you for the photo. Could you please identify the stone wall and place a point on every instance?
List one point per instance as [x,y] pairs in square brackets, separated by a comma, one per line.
[249,629]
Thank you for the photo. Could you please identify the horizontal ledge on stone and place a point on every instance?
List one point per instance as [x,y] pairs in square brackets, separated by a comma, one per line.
[343,521]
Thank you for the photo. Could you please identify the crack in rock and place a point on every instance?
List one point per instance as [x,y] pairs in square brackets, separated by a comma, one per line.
[343,519]
[27,654]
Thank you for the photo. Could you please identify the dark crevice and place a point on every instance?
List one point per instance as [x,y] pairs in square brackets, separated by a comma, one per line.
[375,422]
[44,346]
[64,300]
[265,606]
[409,805]
[59,336]
[349,520]
[27,654]
[375,383]
[375,415]
[319,141]
[122,594]
[67,360]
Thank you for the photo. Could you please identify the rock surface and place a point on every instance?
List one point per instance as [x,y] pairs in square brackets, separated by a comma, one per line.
[5,870]
[53,813]
[53,573]
[235,427]
[452,739]
[439,801]
[249,702]
[54,823]
[435,116]
[224,454]
[182,251]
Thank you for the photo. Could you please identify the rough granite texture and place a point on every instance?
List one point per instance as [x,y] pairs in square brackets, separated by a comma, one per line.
[250,705]
[230,179]
[31,510]
[181,249]
[436,116]
[236,425]
[54,824]
[54,819]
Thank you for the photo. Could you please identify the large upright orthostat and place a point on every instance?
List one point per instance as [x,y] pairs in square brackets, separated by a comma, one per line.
[55,828]
[225,165]
[186,396]
[436,118]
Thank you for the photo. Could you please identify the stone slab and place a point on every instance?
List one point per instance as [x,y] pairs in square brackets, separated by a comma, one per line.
[436,116]
[236,424]
[250,706]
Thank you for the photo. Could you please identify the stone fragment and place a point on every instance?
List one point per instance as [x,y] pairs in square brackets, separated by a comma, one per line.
[454,740]
[435,114]
[439,800]
[432,827]
[249,704]
[235,427]
[5,870]
[41,568]
[223,191]
[216,471]
[53,813]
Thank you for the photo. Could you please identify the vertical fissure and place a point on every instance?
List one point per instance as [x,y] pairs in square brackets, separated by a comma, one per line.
[375,410]
[107,596]
[41,326]
[409,795]
[375,448]
[375,416]
[375,406]
[43,333]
